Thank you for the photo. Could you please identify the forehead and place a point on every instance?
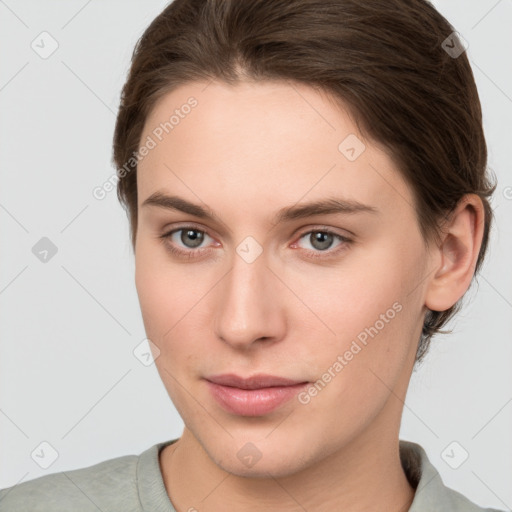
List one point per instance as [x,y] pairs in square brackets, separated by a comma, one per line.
[275,142]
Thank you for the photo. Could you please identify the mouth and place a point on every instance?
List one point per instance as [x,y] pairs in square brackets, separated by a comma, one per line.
[252,396]
[255,382]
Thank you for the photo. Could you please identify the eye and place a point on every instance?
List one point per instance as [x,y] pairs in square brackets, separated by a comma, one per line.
[185,241]
[322,240]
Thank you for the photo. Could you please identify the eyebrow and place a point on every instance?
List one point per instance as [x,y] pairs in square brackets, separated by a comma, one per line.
[330,205]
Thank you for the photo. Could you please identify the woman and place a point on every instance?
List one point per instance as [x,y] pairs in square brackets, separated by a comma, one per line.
[308,199]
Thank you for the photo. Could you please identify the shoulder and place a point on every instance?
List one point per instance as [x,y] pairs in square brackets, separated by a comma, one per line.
[431,493]
[92,488]
[460,502]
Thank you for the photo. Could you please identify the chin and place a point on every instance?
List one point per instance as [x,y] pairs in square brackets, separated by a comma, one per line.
[277,467]
[264,458]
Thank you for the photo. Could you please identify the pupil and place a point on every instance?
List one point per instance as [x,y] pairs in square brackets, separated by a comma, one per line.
[193,235]
[324,239]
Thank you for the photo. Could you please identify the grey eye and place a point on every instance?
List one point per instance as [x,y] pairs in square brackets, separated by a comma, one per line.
[191,238]
[320,240]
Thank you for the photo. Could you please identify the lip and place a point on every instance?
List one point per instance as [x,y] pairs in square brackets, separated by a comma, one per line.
[252,396]
[258,381]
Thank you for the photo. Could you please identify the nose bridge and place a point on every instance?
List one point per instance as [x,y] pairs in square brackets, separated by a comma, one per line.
[248,308]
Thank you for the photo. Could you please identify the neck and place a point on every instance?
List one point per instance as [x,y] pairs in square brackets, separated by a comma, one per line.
[364,475]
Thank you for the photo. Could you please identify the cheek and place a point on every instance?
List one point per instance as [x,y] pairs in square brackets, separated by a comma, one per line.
[158,290]
[159,284]
[167,306]
[172,297]
[365,303]
[367,315]
[354,300]
[353,295]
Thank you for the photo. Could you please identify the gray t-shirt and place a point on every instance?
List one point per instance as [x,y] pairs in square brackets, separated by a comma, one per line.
[133,483]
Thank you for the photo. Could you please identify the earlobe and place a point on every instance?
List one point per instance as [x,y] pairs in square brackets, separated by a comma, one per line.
[457,254]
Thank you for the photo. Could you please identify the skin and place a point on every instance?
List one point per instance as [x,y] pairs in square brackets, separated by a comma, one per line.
[245,152]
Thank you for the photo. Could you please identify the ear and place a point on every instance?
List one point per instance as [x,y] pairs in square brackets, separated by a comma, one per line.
[457,254]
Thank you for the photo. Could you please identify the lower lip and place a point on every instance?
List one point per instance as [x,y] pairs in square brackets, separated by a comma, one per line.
[253,402]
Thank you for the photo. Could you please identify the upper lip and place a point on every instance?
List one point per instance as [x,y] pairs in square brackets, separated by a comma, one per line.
[254,382]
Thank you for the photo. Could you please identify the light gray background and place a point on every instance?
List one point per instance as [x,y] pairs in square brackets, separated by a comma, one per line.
[68,375]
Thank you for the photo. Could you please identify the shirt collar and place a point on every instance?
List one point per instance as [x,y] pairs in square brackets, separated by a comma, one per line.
[430,491]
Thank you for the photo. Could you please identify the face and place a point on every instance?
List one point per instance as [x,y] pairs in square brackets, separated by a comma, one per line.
[329,297]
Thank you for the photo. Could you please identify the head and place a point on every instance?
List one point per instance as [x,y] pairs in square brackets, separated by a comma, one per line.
[250,110]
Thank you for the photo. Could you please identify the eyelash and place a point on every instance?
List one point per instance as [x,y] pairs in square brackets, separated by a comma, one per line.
[192,253]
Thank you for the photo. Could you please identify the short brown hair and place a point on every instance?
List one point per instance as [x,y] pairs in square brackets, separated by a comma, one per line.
[383,59]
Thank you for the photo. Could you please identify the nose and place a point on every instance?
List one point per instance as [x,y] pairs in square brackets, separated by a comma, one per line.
[249,307]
